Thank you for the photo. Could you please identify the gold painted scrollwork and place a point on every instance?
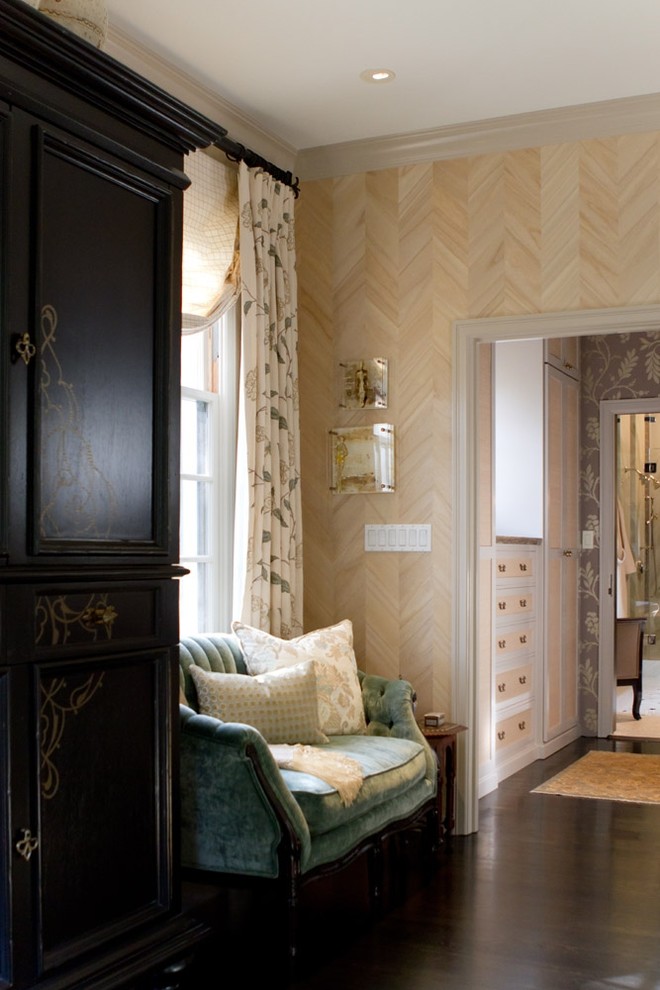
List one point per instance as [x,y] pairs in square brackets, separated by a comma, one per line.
[79,500]
[56,619]
[56,706]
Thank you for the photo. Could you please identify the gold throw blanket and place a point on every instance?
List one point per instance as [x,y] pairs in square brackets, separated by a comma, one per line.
[341,772]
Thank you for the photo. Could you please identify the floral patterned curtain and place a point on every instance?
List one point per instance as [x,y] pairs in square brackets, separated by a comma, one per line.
[272,598]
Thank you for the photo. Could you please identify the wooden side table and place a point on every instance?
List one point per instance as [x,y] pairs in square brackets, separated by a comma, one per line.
[443,743]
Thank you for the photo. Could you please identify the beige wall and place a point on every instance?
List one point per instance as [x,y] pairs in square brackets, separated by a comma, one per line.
[386,262]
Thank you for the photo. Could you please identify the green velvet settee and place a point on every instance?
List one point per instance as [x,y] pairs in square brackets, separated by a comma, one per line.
[244,816]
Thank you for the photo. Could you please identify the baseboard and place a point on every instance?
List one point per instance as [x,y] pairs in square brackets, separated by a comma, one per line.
[554,745]
[491,776]
[488,779]
[515,762]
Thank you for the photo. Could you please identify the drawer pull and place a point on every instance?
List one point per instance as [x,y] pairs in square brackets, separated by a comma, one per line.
[501,568]
[502,687]
[501,606]
[100,615]
[522,725]
[501,734]
[27,844]
[523,603]
[523,567]
[522,679]
[523,638]
[502,644]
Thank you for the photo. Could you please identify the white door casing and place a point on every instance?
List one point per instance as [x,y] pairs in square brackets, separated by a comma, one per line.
[468,334]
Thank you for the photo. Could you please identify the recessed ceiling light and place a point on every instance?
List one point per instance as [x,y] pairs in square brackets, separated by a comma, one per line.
[377,75]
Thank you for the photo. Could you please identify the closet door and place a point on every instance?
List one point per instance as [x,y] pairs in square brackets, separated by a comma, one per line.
[561,552]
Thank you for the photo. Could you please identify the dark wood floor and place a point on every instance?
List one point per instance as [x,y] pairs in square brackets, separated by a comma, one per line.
[551,893]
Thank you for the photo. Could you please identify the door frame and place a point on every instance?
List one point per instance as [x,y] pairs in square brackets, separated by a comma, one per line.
[609,411]
[467,336]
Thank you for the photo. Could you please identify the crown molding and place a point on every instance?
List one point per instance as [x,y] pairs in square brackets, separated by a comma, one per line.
[158,70]
[588,120]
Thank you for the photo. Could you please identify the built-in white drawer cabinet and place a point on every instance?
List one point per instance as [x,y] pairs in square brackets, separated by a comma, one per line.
[510,641]
[514,728]
[514,683]
[515,654]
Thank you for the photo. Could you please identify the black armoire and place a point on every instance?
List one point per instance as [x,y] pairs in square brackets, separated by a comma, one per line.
[92,162]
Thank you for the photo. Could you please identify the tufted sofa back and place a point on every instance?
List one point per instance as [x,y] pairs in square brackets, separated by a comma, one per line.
[218,652]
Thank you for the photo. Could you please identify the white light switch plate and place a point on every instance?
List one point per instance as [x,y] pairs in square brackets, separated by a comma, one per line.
[397,538]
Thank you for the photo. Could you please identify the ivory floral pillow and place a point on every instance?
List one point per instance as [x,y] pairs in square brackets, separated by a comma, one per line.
[341,710]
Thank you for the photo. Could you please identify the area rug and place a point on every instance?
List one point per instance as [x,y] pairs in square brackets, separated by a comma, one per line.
[632,777]
[627,727]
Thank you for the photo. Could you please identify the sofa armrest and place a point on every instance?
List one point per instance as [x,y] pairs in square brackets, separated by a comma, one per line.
[235,806]
[389,710]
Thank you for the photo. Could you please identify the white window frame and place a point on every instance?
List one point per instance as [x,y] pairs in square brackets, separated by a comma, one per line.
[223,426]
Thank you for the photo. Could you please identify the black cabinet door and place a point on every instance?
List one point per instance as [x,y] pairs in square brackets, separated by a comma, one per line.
[90,466]
[4,351]
[5,847]
[104,800]
[87,857]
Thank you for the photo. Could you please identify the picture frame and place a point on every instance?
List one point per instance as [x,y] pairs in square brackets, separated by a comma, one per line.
[362,459]
[362,384]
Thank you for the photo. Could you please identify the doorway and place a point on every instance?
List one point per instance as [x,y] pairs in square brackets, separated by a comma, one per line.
[630,553]
[468,336]
[637,706]
[638,521]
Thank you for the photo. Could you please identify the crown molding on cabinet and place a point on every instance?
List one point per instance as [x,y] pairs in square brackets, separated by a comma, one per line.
[588,120]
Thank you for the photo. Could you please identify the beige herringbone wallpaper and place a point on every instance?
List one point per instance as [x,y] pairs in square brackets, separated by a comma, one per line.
[386,261]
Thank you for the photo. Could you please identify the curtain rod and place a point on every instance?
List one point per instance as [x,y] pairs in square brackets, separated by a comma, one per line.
[236,152]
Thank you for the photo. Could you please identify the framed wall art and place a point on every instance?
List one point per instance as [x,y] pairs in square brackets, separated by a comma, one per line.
[362,384]
[362,459]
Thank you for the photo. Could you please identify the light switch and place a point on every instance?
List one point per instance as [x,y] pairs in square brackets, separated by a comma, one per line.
[399,538]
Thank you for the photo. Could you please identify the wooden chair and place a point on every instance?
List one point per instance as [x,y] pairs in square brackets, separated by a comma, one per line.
[628,651]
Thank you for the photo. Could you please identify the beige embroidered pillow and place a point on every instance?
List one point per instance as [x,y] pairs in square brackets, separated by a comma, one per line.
[341,710]
[282,705]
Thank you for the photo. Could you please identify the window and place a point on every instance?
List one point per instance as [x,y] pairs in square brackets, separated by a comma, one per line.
[209,414]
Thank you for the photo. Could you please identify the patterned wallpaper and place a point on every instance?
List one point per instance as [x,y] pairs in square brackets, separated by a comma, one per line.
[387,261]
[617,366]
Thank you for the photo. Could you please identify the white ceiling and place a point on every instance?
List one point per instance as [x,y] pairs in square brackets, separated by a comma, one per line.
[294,66]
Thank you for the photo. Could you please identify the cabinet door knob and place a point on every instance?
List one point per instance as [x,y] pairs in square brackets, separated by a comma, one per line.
[568,553]
[27,844]
[24,348]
